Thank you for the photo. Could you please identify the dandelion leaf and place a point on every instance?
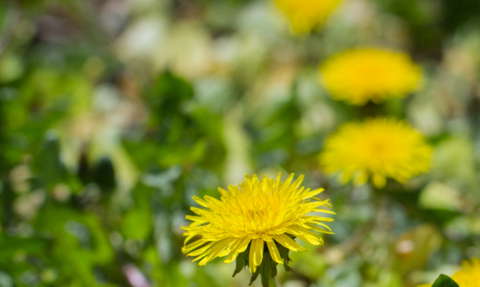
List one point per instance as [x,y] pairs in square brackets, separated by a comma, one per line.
[444,281]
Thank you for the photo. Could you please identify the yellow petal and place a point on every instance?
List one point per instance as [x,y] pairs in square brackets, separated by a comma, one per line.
[288,242]
[201,201]
[256,254]
[202,250]
[251,257]
[323,210]
[379,180]
[242,246]
[310,239]
[215,250]
[193,246]
[230,247]
[316,228]
[272,248]
[189,237]
[313,193]
[297,182]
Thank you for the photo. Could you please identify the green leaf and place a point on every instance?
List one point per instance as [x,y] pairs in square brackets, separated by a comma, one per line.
[254,277]
[49,165]
[240,264]
[266,269]
[284,255]
[444,281]
[104,175]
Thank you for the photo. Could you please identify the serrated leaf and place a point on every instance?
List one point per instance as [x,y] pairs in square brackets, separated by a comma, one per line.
[444,281]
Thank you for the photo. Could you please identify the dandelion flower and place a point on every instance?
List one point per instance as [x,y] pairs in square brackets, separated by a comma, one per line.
[370,74]
[306,15]
[468,276]
[254,214]
[376,149]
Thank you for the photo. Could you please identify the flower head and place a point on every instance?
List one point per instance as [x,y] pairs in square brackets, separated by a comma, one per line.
[361,75]
[377,149]
[253,214]
[306,15]
[468,276]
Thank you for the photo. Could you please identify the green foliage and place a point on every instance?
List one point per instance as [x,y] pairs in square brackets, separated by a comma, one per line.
[444,281]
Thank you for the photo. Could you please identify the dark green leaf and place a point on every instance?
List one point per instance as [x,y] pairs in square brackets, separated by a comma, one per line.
[284,254]
[266,269]
[104,175]
[254,277]
[240,264]
[444,281]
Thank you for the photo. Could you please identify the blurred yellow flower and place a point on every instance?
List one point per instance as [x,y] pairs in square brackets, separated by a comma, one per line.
[254,213]
[369,74]
[376,149]
[468,276]
[306,15]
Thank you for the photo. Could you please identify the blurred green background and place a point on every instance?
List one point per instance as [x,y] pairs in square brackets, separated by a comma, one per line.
[114,113]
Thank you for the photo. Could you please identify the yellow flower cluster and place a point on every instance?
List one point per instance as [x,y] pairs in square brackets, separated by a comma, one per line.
[255,213]
[369,74]
[306,15]
[377,149]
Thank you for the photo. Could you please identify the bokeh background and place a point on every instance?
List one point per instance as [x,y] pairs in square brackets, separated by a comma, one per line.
[114,113]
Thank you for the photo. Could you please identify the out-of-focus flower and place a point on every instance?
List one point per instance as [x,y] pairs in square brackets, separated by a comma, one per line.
[376,149]
[369,74]
[468,276]
[254,213]
[306,15]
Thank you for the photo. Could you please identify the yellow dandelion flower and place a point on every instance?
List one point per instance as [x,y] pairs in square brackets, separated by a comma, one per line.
[376,149]
[468,276]
[370,74]
[306,15]
[253,214]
